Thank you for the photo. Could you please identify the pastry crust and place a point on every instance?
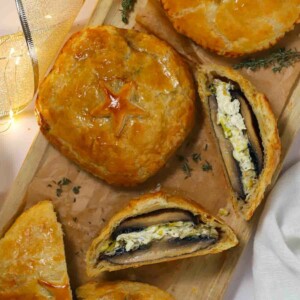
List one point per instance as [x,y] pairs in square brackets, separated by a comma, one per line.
[119,290]
[118,103]
[267,127]
[150,203]
[233,28]
[32,258]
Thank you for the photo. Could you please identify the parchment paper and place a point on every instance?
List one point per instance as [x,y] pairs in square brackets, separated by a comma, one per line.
[84,214]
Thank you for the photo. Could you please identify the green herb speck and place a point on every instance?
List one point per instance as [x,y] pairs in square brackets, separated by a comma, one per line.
[187,169]
[196,157]
[59,192]
[76,189]
[127,7]
[207,166]
[64,181]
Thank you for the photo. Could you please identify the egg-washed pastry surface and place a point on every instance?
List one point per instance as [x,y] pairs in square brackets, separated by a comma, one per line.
[246,131]
[231,27]
[117,102]
[120,290]
[155,228]
[32,258]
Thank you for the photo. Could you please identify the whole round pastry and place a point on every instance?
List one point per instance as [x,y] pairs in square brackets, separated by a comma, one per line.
[118,103]
[120,290]
[233,27]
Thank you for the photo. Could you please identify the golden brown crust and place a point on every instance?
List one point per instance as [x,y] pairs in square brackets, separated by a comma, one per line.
[118,103]
[120,290]
[146,204]
[32,258]
[267,127]
[233,28]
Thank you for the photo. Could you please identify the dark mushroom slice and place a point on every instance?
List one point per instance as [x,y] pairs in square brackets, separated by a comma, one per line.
[162,249]
[255,143]
[162,216]
[168,246]
[226,149]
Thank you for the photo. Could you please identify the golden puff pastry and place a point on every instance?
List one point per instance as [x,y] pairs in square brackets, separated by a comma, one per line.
[32,258]
[155,228]
[246,131]
[120,290]
[118,103]
[233,27]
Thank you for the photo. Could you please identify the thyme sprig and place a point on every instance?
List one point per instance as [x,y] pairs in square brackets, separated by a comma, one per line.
[127,7]
[278,59]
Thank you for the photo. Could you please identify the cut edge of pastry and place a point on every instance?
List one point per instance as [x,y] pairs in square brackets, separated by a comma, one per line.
[267,125]
[151,203]
[94,289]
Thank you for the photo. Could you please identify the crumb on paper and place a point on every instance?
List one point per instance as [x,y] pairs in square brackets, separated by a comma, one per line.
[223,212]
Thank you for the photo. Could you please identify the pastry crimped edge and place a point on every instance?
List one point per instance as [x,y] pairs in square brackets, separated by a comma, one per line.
[83,292]
[149,203]
[268,131]
[221,51]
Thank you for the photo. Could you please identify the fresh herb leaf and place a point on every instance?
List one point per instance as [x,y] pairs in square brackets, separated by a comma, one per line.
[278,59]
[207,166]
[59,192]
[64,181]
[127,7]
[76,189]
[196,157]
[187,169]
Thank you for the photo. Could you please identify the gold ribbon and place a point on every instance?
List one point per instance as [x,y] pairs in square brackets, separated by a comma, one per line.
[29,43]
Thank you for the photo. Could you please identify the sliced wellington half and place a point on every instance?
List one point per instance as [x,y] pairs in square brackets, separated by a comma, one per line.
[246,131]
[155,228]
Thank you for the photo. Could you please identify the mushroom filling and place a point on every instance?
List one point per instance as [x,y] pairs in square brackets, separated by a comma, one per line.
[141,232]
[175,230]
[239,139]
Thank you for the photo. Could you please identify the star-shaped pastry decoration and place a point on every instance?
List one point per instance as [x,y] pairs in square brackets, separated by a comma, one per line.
[118,107]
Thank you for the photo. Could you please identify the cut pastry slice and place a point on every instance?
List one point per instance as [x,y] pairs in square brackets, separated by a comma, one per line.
[246,131]
[118,290]
[231,27]
[155,228]
[32,258]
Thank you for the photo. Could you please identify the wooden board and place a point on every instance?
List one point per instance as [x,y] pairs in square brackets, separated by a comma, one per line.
[197,278]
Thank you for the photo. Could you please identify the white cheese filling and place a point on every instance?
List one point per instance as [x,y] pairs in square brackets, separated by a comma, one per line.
[134,240]
[232,122]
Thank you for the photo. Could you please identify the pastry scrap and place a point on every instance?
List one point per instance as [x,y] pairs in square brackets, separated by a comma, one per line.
[231,27]
[118,103]
[118,290]
[32,258]
[246,131]
[155,228]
